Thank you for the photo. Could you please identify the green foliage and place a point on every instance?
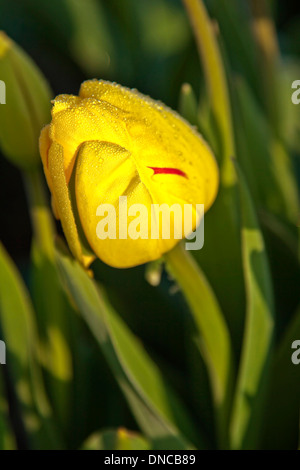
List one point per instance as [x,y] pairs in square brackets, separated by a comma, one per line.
[189,352]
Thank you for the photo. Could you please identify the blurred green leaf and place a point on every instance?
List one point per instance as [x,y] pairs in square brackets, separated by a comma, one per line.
[7,438]
[160,414]
[80,27]
[263,158]
[214,338]
[227,282]
[220,259]
[216,84]
[254,369]
[285,172]
[25,111]
[233,19]
[90,44]
[281,422]
[188,107]
[288,72]
[163,26]
[20,336]
[53,319]
[53,314]
[281,240]
[120,439]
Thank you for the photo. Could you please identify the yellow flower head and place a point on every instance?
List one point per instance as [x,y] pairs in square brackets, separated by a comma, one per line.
[110,142]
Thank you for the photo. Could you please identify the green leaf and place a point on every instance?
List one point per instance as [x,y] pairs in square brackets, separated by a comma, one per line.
[52,309]
[235,29]
[214,338]
[79,27]
[120,439]
[227,282]
[289,71]
[162,26]
[281,429]
[254,370]
[7,438]
[159,412]
[54,316]
[263,158]
[220,259]
[19,333]
[281,240]
[216,83]
[188,106]
[285,174]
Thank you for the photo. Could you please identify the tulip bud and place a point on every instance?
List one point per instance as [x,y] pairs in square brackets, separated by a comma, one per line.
[112,152]
[27,105]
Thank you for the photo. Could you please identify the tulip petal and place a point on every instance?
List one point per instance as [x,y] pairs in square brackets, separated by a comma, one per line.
[159,137]
[105,171]
[63,202]
[77,121]
[44,145]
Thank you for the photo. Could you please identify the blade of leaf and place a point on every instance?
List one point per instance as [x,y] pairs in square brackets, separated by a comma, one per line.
[216,83]
[264,33]
[80,28]
[227,282]
[52,311]
[235,28]
[19,331]
[7,437]
[254,370]
[282,247]
[214,335]
[154,405]
[53,318]
[120,439]
[282,414]
[272,180]
[188,104]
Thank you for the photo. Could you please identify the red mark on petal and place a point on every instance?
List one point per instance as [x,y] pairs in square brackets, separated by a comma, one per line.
[167,171]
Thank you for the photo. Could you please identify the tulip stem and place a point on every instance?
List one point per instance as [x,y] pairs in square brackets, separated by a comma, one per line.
[268,57]
[215,343]
[41,219]
[216,81]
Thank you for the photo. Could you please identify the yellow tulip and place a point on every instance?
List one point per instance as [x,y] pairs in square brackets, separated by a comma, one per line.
[110,142]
